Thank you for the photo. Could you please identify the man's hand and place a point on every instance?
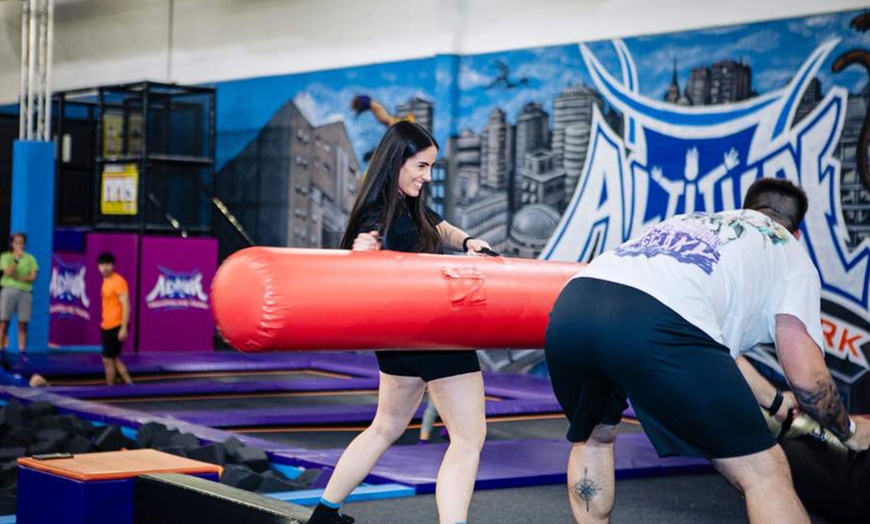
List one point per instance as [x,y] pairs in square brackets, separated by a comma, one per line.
[789,405]
[122,333]
[860,440]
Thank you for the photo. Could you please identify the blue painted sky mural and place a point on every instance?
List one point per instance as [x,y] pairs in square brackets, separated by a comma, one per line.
[584,169]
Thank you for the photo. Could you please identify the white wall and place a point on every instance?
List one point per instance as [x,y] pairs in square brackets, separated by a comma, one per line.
[191,41]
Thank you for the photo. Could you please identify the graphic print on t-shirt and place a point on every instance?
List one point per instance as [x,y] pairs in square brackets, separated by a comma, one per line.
[695,239]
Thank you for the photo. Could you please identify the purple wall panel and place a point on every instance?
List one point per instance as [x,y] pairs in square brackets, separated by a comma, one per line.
[175,283]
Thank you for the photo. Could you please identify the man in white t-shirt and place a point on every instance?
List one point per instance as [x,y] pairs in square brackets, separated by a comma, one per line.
[661,320]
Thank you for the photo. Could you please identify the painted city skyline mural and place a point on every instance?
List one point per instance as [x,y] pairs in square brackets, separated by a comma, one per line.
[563,152]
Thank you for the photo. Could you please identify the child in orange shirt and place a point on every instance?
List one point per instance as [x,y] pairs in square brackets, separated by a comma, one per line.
[115,319]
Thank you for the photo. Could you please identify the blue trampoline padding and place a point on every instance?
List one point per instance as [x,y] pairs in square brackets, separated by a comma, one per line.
[291,472]
[7,519]
[215,387]
[512,463]
[128,432]
[81,349]
[310,497]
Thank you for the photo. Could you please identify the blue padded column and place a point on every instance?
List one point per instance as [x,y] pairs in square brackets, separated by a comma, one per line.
[33,214]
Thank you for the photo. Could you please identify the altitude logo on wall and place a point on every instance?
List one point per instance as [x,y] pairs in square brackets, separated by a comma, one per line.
[177,290]
[67,290]
[672,159]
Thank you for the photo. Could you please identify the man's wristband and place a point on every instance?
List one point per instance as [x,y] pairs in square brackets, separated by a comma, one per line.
[776,404]
[852,429]
[465,243]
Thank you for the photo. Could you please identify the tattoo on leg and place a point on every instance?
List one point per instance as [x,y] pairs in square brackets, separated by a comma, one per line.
[586,488]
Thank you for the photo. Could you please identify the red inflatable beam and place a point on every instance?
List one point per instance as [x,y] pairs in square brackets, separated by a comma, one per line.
[267,299]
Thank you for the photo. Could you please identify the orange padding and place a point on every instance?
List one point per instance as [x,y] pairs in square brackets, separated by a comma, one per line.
[271,299]
[113,465]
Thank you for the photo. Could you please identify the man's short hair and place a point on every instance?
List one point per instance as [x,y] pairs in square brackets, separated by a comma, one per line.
[779,199]
[18,234]
[106,258]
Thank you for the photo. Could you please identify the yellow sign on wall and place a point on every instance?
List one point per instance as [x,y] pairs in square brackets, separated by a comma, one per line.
[119,189]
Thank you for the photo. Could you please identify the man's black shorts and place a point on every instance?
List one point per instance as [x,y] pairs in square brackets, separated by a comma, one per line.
[428,365]
[606,341]
[111,344]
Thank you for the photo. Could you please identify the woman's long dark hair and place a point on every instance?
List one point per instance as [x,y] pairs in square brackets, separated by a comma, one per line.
[380,187]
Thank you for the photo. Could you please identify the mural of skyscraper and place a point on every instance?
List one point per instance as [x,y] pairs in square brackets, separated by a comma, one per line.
[855,197]
[543,182]
[421,109]
[809,100]
[730,81]
[532,133]
[576,147]
[294,184]
[494,154]
[698,86]
[572,106]
[467,161]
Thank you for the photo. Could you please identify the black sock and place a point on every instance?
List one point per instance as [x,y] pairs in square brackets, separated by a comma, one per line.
[323,514]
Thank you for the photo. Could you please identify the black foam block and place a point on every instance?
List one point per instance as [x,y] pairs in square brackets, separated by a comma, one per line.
[231,444]
[8,503]
[39,409]
[8,473]
[84,427]
[44,447]
[174,450]
[61,422]
[193,499]
[241,477]
[253,458]
[109,438]
[53,434]
[154,434]
[7,454]
[79,444]
[18,437]
[11,416]
[274,483]
[308,478]
[185,440]
[213,454]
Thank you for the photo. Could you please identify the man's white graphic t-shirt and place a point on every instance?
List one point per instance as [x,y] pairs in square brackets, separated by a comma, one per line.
[727,273]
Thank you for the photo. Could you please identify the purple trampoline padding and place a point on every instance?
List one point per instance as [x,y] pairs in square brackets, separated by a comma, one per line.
[337,414]
[58,364]
[214,387]
[295,416]
[512,463]
[518,386]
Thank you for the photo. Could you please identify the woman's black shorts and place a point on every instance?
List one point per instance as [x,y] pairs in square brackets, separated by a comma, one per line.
[428,365]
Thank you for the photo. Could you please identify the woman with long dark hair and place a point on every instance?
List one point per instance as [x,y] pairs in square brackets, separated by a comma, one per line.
[391,213]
